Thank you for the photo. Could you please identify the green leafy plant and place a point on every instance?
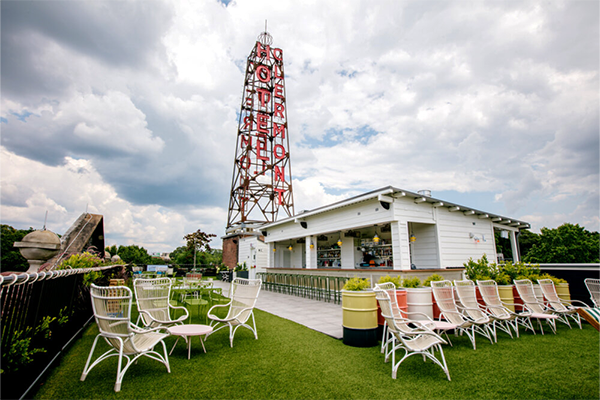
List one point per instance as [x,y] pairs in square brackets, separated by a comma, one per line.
[502,278]
[395,280]
[479,269]
[432,278]
[411,282]
[553,278]
[241,267]
[20,347]
[356,284]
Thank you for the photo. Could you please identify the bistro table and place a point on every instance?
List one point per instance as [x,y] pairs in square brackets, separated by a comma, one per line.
[189,330]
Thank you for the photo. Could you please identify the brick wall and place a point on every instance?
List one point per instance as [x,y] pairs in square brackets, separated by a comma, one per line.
[230,251]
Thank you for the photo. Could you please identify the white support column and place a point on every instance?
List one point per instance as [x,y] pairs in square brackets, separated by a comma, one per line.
[311,254]
[514,246]
[347,252]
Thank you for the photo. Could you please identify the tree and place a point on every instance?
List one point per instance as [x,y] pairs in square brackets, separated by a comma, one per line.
[12,260]
[134,254]
[566,244]
[527,240]
[113,250]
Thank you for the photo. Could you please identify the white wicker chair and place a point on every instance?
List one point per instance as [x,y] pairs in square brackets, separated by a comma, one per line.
[502,315]
[437,326]
[563,308]
[443,291]
[467,296]
[153,302]
[538,310]
[410,336]
[112,311]
[243,294]
[593,286]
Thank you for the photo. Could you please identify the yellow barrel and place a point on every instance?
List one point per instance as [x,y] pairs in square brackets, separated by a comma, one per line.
[359,318]
[562,290]
[506,295]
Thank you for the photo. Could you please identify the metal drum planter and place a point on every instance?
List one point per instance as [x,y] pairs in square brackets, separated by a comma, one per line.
[420,300]
[506,296]
[562,290]
[359,318]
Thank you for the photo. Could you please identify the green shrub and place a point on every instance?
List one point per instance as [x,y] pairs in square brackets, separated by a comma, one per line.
[432,278]
[479,269]
[411,282]
[395,280]
[356,284]
[503,279]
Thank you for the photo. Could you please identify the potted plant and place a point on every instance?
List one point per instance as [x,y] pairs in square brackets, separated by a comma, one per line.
[400,295]
[359,313]
[561,285]
[427,283]
[418,298]
[241,270]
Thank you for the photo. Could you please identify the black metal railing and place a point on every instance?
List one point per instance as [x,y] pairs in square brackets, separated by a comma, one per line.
[41,311]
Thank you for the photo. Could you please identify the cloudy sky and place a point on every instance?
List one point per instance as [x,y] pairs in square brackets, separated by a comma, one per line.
[128,108]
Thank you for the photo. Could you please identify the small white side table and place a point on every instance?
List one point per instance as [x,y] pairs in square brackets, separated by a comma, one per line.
[189,330]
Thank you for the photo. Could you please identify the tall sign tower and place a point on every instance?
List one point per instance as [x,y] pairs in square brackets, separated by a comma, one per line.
[261,186]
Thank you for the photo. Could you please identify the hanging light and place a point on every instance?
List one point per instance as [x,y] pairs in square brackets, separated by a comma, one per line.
[412,238]
[312,245]
[376,239]
[274,249]
[339,242]
[290,248]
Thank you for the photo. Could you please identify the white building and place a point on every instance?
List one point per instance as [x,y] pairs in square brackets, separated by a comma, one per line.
[396,229]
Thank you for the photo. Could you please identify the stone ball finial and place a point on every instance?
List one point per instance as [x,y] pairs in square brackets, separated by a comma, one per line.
[115,258]
[38,247]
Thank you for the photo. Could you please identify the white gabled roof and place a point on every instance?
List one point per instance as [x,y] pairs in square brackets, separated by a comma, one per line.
[387,194]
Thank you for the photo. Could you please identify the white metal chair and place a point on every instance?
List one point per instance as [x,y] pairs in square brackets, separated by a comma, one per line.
[443,291]
[593,286]
[410,336]
[437,326]
[243,294]
[112,311]
[563,308]
[501,314]
[538,310]
[153,301]
[467,296]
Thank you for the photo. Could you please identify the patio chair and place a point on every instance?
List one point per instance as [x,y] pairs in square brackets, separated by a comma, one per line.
[243,294]
[467,296]
[443,291]
[422,318]
[410,336]
[593,286]
[538,310]
[112,311]
[153,302]
[563,308]
[501,314]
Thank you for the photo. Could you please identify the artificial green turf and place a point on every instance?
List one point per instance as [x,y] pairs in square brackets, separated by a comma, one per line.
[290,361]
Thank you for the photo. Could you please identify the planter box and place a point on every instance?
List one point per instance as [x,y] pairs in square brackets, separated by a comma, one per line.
[401,301]
[420,300]
[562,290]
[506,295]
[240,274]
[359,318]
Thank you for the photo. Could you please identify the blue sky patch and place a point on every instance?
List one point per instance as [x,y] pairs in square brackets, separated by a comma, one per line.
[23,116]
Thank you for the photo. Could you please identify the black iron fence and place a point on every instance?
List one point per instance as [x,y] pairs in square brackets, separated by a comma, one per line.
[41,314]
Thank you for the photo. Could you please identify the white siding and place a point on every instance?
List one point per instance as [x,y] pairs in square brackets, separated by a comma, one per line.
[455,242]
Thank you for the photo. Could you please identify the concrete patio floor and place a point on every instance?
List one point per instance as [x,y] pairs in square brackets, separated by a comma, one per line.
[320,316]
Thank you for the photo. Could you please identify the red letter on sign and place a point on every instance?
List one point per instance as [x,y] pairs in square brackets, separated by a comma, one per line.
[247,158]
[278,130]
[247,123]
[262,122]
[280,197]
[264,96]
[278,92]
[246,142]
[278,54]
[275,69]
[279,147]
[260,50]
[261,144]
[279,174]
[263,73]
[279,109]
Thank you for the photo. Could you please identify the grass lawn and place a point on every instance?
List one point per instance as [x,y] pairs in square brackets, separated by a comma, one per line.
[290,361]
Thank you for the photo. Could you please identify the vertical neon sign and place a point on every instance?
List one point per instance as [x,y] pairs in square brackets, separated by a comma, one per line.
[261,186]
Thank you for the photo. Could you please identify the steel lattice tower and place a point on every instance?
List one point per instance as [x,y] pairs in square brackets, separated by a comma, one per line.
[261,186]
